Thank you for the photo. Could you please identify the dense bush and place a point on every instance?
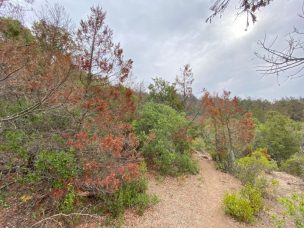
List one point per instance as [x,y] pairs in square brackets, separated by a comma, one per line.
[245,205]
[129,195]
[56,165]
[280,135]
[249,168]
[294,165]
[13,29]
[165,142]
[254,195]
[238,207]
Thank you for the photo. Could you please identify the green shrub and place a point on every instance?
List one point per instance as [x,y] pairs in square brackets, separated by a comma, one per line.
[185,164]
[249,168]
[245,205]
[238,207]
[142,201]
[280,135]
[294,209]
[164,139]
[68,203]
[162,92]
[130,195]
[56,165]
[3,203]
[294,165]
[198,144]
[14,141]
[254,195]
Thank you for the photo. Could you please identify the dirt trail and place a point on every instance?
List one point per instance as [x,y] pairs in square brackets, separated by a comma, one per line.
[193,201]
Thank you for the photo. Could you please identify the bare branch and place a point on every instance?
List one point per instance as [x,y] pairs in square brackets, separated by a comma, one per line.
[38,104]
[246,6]
[278,62]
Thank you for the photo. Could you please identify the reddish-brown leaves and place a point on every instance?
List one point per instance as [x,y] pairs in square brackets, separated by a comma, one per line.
[233,130]
[57,194]
[98,56]
[113,144]
[112,178]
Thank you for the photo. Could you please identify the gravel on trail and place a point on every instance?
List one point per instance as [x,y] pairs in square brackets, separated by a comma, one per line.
[191,201]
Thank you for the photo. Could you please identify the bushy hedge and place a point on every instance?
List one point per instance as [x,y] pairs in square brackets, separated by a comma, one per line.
[165,141]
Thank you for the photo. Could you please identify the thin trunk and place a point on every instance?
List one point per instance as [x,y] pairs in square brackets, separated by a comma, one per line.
[231,148]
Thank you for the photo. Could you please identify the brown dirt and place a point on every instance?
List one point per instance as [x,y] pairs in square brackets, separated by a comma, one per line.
[192,201]
[288,184]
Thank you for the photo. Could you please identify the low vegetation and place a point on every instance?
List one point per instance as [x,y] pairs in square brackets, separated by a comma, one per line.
[293,209]
[254,166]
[294,165]
[244,205]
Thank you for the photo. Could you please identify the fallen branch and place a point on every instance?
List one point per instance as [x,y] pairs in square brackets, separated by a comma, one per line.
[52,218]
[6,185]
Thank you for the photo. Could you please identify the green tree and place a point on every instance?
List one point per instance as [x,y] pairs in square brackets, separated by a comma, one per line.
[280,135]
[163,92]
[165,140]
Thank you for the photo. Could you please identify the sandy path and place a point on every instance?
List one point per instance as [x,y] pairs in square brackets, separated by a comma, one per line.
[193,201]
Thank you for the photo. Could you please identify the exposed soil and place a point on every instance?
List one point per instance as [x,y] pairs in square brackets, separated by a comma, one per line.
[192,201]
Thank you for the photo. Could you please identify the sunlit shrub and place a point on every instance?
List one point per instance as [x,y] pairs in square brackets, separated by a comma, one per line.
[238,207]
[254,195]
[245,205]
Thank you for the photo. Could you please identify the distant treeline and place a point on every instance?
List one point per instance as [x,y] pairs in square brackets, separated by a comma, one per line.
[291,107]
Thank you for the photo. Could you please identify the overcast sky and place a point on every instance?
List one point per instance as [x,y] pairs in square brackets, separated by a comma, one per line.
[163,35]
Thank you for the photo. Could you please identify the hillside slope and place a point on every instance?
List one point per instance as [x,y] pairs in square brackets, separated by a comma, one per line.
[193,201]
